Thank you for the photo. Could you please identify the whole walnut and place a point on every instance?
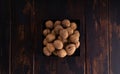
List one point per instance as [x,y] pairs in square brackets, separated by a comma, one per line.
[58,44]
[66,23]
[64,33]
[50,47]
[50,37]
[74,38]
[70,49]
[46,51]
[63,40]
[61,53]
[77,33]
[58,28]
[77,44]
[46,32]
[49,24]
[73,25]
[45,42]
[70,30]
[57,23]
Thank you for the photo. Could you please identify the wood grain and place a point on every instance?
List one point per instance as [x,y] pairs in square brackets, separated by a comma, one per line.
[114,30]
[97,54]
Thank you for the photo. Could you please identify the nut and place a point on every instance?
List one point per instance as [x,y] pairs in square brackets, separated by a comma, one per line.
[49,24]
[58,44]
[50,47]
[73,25]
[66,23]
[50,37]
[46,52]
[70,49]
[46,32]
[61,53]
[64,34]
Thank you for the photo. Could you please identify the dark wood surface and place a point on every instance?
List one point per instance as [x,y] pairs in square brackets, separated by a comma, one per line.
[21,36]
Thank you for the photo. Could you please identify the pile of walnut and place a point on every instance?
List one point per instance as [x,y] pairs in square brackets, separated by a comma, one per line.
[61,38]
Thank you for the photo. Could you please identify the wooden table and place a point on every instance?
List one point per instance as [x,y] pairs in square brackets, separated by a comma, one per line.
[20,36]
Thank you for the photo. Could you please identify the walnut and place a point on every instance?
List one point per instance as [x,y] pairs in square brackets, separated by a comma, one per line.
[50,47]
[45,42]
[77,44]
[49,24]
[77,33]
[70,30]
[57,23]
[46,51]
[66,23]
[46,32]
[50,37]
[58,28]
[58,44]
[64,33]
[74,38]
[70,49]
[61,53]
[73,25]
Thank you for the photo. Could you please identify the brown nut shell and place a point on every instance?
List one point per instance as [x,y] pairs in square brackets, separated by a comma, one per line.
[73,25]
[46,51]
[46,32]
[49,24]
[70,49]
[57,23]
[77,44]
[58,28]
[45,42]
[66,23]
[58,44]
[61,53]
[74,38]
[64,33]
[50,37]
[70,31]
[50,47]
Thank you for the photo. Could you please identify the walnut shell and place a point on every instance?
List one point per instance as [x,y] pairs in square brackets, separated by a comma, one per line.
[50,47]
[66,23]
[70,30]
[50,37]
[46,32]
[57,23]
[46,51]
[77,33]
[45,42]
[58,28]
[70,49]
[64,33]
[74,38]
[61,53]
[58,44]
[49,24]
[73,25]
[77,44]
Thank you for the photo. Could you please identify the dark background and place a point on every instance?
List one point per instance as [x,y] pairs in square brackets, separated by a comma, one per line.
[20,36]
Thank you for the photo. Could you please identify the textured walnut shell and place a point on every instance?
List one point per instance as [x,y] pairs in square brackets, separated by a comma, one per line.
[58,44]
[77,44]
[64,33]
[46,51]
[58,28]
[73,25]
[45,42]
[70,31]
[77,33]
[50,47]
[74,38]
[66,23]
[50,37]
[57,23]
[46,32]
[61,53]
[70,49]
[49,24]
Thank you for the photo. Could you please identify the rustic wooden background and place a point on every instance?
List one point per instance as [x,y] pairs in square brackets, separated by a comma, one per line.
[20,36]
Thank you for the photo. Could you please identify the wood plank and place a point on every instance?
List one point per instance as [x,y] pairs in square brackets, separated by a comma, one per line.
[21,38]
[114,36]
[97,55]
[59,10]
